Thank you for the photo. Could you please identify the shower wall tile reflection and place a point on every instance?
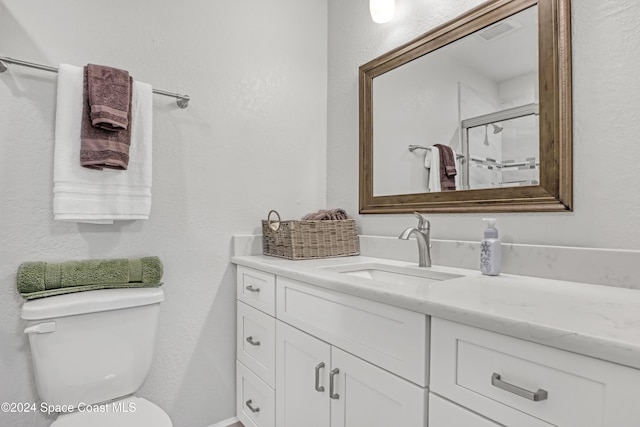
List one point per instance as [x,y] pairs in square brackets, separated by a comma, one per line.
[504,154]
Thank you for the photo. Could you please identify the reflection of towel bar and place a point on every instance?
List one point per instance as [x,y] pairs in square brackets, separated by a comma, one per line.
[420,147]
[182,100]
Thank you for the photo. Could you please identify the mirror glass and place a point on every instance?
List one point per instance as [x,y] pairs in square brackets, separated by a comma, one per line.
[469,96]
[473,116]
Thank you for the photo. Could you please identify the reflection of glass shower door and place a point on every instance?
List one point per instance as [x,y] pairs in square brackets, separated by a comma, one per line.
[501,149]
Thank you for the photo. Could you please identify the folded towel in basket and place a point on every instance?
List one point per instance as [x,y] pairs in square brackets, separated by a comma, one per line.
[72,276]
[326,214]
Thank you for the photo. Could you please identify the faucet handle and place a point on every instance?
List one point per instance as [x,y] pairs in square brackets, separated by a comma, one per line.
[422,221]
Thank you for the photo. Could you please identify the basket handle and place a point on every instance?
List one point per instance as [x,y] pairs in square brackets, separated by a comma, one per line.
[273,225]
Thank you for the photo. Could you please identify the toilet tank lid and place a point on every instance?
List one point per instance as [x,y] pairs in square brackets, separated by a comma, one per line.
[90,302]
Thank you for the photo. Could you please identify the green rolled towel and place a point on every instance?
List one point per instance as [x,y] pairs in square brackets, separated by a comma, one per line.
[37,277]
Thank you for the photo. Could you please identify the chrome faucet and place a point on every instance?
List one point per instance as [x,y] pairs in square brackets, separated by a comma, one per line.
[422,237]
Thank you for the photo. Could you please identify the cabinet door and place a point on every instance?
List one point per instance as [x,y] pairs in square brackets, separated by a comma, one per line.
[302,373]
[368,396]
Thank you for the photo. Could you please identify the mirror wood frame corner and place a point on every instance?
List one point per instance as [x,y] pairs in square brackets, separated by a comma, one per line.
[555,191]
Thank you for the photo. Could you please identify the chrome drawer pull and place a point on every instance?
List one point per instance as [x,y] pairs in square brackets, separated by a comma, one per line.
[536,396]
[332,384]
[252,289]
[254,410]
[319,388]
[252,342]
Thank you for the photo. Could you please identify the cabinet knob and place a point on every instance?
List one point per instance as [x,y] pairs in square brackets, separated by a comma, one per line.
[252,342]
[318,387]
[535,396]
[332,393]
[254,410]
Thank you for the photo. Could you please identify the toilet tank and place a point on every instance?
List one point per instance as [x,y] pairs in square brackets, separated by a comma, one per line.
[90,347]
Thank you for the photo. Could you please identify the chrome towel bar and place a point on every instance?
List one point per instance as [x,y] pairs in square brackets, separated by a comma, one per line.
[181,100]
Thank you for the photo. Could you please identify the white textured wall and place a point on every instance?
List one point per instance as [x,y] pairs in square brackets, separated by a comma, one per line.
[253,139]
[606,64]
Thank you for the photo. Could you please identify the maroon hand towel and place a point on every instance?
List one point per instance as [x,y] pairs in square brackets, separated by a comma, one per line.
[101,148]
[109,97]
[447,168]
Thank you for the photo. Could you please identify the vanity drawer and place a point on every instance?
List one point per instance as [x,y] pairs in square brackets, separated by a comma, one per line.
[257,288]
[256,341]
[520,383]
[443,413]
[255,400]
[392,338]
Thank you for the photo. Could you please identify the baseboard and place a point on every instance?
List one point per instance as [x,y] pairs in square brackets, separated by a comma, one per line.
[227,423]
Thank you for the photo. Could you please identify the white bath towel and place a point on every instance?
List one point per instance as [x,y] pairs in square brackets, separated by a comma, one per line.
[432,163]
[87,195]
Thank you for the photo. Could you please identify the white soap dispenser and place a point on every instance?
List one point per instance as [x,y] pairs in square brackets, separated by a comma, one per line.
[490,250]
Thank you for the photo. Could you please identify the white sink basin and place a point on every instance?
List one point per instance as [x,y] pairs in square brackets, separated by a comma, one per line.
[393,274]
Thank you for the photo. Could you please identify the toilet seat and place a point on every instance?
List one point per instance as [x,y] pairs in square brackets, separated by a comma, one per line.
[128,412]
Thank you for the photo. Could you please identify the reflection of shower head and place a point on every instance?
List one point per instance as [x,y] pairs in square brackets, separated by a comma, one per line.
[496,128]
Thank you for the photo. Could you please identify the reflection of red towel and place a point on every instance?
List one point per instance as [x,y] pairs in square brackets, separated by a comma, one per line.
[447,168]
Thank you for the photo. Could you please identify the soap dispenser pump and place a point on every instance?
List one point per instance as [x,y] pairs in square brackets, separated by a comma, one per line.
[490,250]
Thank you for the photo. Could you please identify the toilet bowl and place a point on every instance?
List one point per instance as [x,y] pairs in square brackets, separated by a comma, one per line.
[129,412]
[91,351]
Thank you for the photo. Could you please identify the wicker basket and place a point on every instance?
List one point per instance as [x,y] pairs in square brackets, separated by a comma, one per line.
[309,239]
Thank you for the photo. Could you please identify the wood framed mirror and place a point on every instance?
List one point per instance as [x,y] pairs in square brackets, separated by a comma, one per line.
[472,113]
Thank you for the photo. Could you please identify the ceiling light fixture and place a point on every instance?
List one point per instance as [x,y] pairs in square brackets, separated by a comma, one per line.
[382,10]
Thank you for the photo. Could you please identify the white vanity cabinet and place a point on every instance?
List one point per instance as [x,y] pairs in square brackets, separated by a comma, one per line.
[339,360]
[316,357]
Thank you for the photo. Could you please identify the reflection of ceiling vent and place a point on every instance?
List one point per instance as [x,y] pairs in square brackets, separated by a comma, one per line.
[498,30]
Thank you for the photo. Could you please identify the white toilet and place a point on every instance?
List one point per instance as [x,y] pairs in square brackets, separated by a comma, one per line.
[91,351]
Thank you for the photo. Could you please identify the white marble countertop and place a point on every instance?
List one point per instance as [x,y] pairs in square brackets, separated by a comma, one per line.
[598,321]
